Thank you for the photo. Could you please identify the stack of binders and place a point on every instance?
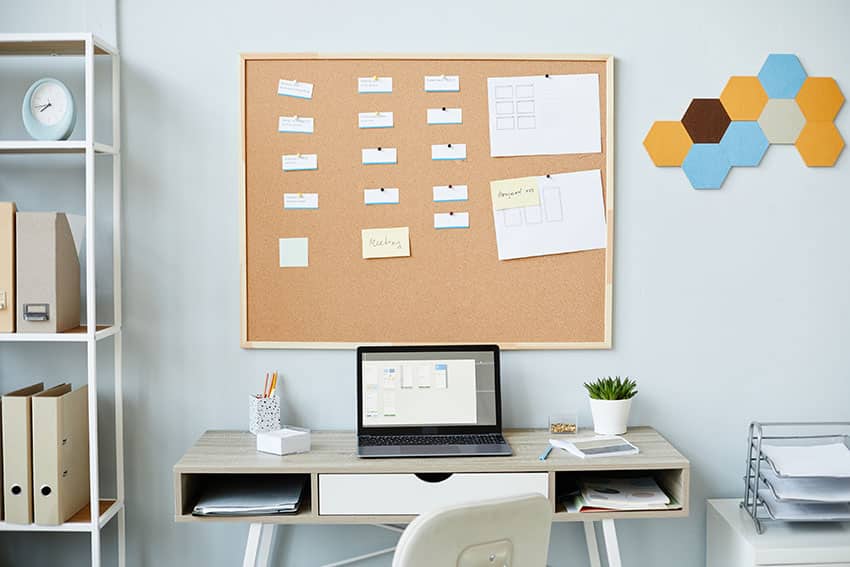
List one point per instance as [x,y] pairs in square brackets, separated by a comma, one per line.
[7,267]
[807,482]
[45,454]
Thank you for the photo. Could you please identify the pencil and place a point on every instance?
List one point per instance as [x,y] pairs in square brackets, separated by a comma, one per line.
[266,386]
[274,384]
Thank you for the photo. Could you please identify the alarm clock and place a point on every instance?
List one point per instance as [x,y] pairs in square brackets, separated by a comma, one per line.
[48,111]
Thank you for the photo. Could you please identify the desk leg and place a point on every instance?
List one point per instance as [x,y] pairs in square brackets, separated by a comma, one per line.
[266,539]
[253,545]
[592,545]
[611,543]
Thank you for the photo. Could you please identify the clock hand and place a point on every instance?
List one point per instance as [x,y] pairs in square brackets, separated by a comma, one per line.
[45,107]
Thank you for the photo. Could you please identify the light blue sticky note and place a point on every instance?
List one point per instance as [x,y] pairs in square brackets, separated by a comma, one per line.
[293,252]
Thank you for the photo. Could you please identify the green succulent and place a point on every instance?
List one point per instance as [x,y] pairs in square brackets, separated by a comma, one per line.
[611,388]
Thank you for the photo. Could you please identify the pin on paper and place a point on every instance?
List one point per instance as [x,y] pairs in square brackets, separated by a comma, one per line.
[374,77]
[382,189]
[546,75]
[298,156]
[444,109]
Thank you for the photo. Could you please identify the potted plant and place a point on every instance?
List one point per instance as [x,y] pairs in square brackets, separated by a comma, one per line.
[610,402]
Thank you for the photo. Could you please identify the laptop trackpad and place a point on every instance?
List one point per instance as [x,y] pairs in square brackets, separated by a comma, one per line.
[429,449]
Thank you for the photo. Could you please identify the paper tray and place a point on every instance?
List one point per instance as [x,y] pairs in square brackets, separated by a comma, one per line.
[807,489]
[803,511]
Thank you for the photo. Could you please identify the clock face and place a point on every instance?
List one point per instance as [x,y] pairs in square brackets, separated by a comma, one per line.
[49,103]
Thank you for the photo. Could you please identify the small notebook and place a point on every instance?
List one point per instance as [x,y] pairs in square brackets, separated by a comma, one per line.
[596,447]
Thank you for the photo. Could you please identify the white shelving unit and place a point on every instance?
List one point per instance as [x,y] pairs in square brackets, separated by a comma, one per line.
[89,47]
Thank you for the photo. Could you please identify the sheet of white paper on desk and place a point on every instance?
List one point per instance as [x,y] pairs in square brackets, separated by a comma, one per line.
[540,115]
[367,85]
[295,124]
[444,115]
[448,152]
[294,88]
[300,162]
[451,220]
[382,196]
[375,120]
[300,200]
[447,193]
[442,83]
[293,252]
[372,156]
[570,218]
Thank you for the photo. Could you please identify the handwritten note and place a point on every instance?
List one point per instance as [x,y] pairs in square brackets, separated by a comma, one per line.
[295,124]
[375,120]
[513,193]
[294,88]
[300,200]
[442,83]
[375,85]
[386,242]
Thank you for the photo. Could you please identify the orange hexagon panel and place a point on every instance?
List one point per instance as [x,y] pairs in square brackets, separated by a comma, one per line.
[743,98]
[667,143]
[820,99]
[820,144]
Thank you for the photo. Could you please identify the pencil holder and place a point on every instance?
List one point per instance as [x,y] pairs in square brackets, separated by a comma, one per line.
[263,414]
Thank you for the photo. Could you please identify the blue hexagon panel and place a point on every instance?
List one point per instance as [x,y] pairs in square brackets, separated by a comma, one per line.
[782,75]
[706,166]
[744,143]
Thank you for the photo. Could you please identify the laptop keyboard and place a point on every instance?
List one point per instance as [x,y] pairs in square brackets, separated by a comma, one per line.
[467,439]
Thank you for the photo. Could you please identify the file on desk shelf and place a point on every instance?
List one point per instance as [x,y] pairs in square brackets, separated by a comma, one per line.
[629,494]
[246,495]
[811,489]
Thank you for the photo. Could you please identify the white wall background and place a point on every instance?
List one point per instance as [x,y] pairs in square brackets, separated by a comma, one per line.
[729,305]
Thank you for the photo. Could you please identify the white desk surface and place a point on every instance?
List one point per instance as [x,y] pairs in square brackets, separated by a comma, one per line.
[783,542]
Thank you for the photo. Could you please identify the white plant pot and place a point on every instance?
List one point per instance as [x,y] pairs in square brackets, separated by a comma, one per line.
[610,416]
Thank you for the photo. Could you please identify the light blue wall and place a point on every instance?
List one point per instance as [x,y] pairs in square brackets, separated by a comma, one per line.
[729,305]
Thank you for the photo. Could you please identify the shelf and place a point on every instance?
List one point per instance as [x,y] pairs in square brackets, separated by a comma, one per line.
[79,522]
[52,44]
[46,147]
[76,335]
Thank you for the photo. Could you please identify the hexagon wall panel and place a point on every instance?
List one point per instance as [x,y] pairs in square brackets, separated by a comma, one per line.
[782,105]
[667,143]
[743,98]
[781,121]
[820,144]
[782,75]
[706,120]
[744,143]
[706,166]
[820,99]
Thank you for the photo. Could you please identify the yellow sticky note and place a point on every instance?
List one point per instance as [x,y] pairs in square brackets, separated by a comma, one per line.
[386,242]
[513,193]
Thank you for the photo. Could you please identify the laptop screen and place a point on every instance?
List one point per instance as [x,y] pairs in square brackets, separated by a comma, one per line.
[428,387]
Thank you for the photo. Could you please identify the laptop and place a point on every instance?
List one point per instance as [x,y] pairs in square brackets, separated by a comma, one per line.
[429,401]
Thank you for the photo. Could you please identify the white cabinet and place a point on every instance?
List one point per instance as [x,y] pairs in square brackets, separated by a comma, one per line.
[732,541]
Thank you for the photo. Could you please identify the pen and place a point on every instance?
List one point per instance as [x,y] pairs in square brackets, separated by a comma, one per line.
[545,453]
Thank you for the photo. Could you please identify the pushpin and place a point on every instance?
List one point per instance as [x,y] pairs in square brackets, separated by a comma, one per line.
[375,77]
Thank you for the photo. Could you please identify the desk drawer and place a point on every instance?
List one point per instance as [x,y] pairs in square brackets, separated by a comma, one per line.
[412,494]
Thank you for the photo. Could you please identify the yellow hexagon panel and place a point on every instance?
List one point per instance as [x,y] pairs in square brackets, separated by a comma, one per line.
[820,99]
[667,143]
[820,144]
[743,98]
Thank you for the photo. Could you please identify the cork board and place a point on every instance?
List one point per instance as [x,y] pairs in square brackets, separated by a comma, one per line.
[452,288]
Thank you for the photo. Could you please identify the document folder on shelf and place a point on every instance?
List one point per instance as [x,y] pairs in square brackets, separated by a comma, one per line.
[251,497]
[17,454]
[7,268]
[48,274]
[60,453]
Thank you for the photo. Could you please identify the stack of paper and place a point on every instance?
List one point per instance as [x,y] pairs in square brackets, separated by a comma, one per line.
[808,482]
[598,494]
[596,446]
[243,496]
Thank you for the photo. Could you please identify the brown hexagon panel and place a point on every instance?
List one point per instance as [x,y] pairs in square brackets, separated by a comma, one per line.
[706,120]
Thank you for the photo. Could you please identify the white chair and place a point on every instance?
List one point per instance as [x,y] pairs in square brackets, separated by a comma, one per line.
[510,532]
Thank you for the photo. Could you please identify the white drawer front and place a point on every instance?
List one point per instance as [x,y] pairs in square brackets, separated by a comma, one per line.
[407,494]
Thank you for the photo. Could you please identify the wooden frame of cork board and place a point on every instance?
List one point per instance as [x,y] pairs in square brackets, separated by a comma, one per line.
[452,289]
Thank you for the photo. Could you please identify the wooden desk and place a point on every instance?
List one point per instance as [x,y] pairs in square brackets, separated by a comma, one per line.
[334,452]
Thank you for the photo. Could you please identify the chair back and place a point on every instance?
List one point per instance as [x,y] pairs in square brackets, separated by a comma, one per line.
[509,532]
